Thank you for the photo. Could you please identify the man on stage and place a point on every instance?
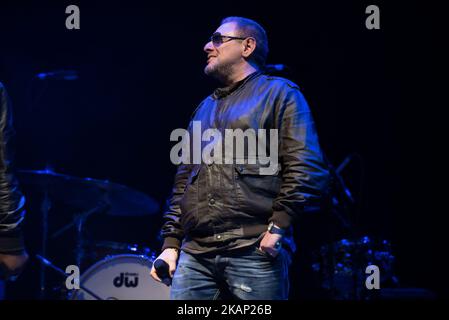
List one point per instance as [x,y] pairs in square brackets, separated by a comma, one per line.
[230,224]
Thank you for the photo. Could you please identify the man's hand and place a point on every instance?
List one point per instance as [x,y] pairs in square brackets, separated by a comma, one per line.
[169,255]
[271,244]
[14,263]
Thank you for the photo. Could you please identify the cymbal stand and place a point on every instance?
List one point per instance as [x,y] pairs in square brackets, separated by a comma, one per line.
[45,208]
[78,222]
[47,263]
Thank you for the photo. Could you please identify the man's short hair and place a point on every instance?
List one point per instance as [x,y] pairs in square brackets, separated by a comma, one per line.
[250,28]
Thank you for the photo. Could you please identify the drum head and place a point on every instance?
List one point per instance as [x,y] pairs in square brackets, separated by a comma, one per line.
[121,277]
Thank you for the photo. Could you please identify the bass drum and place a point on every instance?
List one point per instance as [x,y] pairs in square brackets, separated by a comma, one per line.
[121,277]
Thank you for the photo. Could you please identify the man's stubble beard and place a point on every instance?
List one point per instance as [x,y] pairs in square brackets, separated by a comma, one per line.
[220,71]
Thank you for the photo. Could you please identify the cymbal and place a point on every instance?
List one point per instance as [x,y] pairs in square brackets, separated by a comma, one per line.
[87,193]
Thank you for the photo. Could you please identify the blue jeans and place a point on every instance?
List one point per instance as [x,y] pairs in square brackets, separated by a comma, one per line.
[248,274]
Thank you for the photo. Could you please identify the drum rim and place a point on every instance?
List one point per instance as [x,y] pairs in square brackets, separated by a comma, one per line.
[116,245]
[103,261]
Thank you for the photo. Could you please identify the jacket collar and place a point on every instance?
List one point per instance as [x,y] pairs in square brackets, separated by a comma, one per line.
[220,93]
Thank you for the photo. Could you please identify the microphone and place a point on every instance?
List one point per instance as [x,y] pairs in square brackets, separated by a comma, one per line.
[58,75]
[162,271]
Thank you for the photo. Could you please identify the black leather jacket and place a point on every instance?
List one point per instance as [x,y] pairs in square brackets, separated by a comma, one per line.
[12,201]
[212,205]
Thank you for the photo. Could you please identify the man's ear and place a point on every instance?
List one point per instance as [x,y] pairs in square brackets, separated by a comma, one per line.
[249,46]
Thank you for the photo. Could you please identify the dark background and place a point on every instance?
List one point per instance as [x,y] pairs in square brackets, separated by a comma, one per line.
[372,92]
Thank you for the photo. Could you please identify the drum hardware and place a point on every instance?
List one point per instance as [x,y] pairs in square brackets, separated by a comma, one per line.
[343,201]
[341,266]
[47,263]
[88,195]
[98,250]
[341,263]
[45,208]
[78,222]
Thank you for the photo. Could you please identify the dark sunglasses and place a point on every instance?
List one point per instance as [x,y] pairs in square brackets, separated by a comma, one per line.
[217,39]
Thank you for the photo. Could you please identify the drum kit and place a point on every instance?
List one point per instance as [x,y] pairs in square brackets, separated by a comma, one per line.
[340,263]
[341,266]
[110,270]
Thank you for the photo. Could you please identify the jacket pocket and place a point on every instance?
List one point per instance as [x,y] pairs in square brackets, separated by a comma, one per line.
[256,189]
[258,178]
